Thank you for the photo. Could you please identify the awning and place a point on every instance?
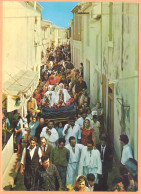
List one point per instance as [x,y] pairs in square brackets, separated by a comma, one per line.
[20,83]
[19,88]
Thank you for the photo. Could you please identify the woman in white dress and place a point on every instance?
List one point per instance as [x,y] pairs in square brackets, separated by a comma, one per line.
[65,92]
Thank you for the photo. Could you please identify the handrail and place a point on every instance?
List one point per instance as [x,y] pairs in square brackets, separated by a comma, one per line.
[4,100]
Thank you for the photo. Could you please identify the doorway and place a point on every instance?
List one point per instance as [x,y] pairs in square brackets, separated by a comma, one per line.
[87,76]
[110,123]
[104,98]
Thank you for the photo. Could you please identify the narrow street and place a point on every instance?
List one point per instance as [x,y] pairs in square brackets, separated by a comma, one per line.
[69,98]
[49,73]
[19,181]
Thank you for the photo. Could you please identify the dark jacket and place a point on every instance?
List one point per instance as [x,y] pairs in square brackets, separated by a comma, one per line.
[48,151]
[80,86]
[38,132]
[96,187]
[34,163]
[107,163]
[45,180]
[30,168]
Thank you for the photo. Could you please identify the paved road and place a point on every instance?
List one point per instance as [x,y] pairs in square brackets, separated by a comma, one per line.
[19,182]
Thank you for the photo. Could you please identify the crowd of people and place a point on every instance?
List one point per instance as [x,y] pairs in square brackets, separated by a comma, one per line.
[71,155]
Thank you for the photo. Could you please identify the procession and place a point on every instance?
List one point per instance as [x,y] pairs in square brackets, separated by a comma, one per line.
[64,153]
[69,98]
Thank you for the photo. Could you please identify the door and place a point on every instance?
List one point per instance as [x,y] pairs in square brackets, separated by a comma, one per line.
[87,77]
[104,98]
[110,123]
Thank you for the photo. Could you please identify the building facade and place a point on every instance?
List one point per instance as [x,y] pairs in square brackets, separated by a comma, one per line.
[109,51]
[76,33]
[46,39]
[21,51]
[21,60]
[26,37]
[58,36]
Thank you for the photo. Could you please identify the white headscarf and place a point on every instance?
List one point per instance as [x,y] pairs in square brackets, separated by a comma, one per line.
[65,92]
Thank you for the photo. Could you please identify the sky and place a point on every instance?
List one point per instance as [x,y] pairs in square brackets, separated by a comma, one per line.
[59,13]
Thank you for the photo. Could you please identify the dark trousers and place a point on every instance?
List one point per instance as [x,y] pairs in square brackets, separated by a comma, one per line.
[104,177]
[62,172]
[29,178]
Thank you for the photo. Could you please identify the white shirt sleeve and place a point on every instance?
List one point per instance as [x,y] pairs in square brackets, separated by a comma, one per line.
[43,132]
[79,133]
[129,154]
[99,171]
[126,154]
[54,135]
[81,162]
[80,146]
[39,154]
[80,123]
[98,124]
[67,146]
[23,156]
[65,127]
[77,121]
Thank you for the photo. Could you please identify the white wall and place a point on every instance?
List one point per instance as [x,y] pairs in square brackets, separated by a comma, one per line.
[117,59]
[19,36]
[7,153]
[120,66]
[76,53]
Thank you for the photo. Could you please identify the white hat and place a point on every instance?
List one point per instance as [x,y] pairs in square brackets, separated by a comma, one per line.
[94,112]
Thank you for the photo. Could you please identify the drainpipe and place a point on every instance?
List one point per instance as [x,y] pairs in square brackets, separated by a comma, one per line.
[122,37]
[101,42]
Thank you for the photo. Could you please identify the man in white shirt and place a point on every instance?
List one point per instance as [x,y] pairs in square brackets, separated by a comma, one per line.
[75,152]
[50,134]
[70,129]
[31,158]
[127,150]
[90,161]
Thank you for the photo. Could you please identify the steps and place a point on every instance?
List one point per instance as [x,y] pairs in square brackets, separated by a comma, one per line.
[10,172]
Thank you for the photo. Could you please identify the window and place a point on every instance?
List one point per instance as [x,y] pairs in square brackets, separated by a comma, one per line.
[79,24]
[35,20]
